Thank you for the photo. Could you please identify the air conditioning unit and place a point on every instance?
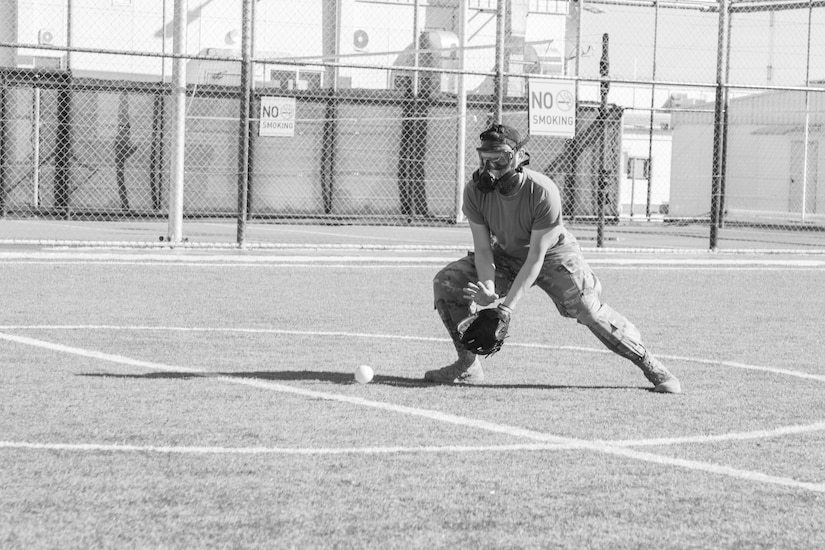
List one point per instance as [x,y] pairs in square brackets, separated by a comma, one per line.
[218,72]
[285,77]
[45,37]
[360,40]
[40,61]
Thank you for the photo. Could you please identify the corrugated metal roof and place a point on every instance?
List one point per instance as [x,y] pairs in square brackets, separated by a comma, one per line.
[771,109]
[785,129]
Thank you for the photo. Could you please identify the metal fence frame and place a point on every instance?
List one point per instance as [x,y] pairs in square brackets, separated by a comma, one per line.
[168,144]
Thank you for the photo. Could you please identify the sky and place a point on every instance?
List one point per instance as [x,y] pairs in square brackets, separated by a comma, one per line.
[766,49]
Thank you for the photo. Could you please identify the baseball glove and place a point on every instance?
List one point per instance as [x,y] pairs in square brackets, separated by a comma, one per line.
[483,333]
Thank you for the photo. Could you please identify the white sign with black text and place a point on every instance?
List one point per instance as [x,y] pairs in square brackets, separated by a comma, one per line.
[551,109]
[277,117]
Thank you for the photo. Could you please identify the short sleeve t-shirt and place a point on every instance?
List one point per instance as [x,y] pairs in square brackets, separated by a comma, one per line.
[537,205]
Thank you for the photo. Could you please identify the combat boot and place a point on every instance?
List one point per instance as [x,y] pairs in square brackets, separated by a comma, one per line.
[466,370]
[658,375]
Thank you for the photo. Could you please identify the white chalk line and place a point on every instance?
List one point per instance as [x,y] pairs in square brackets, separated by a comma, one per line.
[176,449]
[173,258]
[740,436]
[244,260]
[406,337]
[514,431]
[425,263]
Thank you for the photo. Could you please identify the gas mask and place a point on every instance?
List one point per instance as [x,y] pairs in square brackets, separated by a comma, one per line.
[485,180]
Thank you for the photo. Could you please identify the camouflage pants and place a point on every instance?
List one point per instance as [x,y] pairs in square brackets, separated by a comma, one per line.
[565,277]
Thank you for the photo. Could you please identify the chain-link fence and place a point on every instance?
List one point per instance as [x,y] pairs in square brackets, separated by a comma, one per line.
[704,114]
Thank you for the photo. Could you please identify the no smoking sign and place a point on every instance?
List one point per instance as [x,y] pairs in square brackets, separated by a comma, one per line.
[277,117]
[551,108]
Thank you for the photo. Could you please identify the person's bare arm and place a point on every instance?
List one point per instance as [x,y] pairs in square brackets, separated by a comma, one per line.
[484,291]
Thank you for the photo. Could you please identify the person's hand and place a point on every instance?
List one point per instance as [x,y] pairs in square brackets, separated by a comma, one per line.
[482,294]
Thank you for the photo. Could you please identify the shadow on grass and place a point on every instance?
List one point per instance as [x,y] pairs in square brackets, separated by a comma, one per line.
[347,379]
[284,376]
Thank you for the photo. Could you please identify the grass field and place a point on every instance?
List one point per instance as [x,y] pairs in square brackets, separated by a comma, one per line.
[196,399]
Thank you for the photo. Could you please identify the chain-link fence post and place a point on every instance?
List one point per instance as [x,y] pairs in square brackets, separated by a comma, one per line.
[652,111]
[178,124]
[3,172]
[498,79]
[64,141]
[461,108]
[601,184]
[807,129]
[35,195]
[719,126]
[243,116]
[725,124]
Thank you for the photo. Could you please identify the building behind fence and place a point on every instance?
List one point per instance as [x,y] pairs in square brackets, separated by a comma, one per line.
[390,96]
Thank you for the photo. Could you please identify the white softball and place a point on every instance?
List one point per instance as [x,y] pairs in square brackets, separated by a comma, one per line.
[363,374]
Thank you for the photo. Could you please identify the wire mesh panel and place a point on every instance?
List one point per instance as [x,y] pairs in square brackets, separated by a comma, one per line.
[774,124]
[288,175]
[700,112]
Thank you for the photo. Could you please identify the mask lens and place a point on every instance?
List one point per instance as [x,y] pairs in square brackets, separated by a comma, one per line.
[495,161]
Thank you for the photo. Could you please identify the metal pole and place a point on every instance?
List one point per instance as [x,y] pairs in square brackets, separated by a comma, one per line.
[718,126]
[807,120]
[63,152]
[163,46]
[579,45]
[332,25]
[461,101]
[601,184]
[652,107]
[724,167]
[68,35]
[416,46]
[331,22]
[178,124]
[250,153]
[243,126]
[498,79]
[36,149]
[3,137]
[572,179]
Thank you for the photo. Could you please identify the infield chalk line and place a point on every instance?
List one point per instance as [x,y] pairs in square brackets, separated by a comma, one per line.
[401,265]
[343,334]
[177,449]
[242,259]
[741,436]
[438,416]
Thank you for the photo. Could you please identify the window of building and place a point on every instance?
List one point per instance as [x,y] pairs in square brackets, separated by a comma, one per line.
[638,168]
[295,79]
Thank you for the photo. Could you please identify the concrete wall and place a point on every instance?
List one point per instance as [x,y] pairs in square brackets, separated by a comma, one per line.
[691,169]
